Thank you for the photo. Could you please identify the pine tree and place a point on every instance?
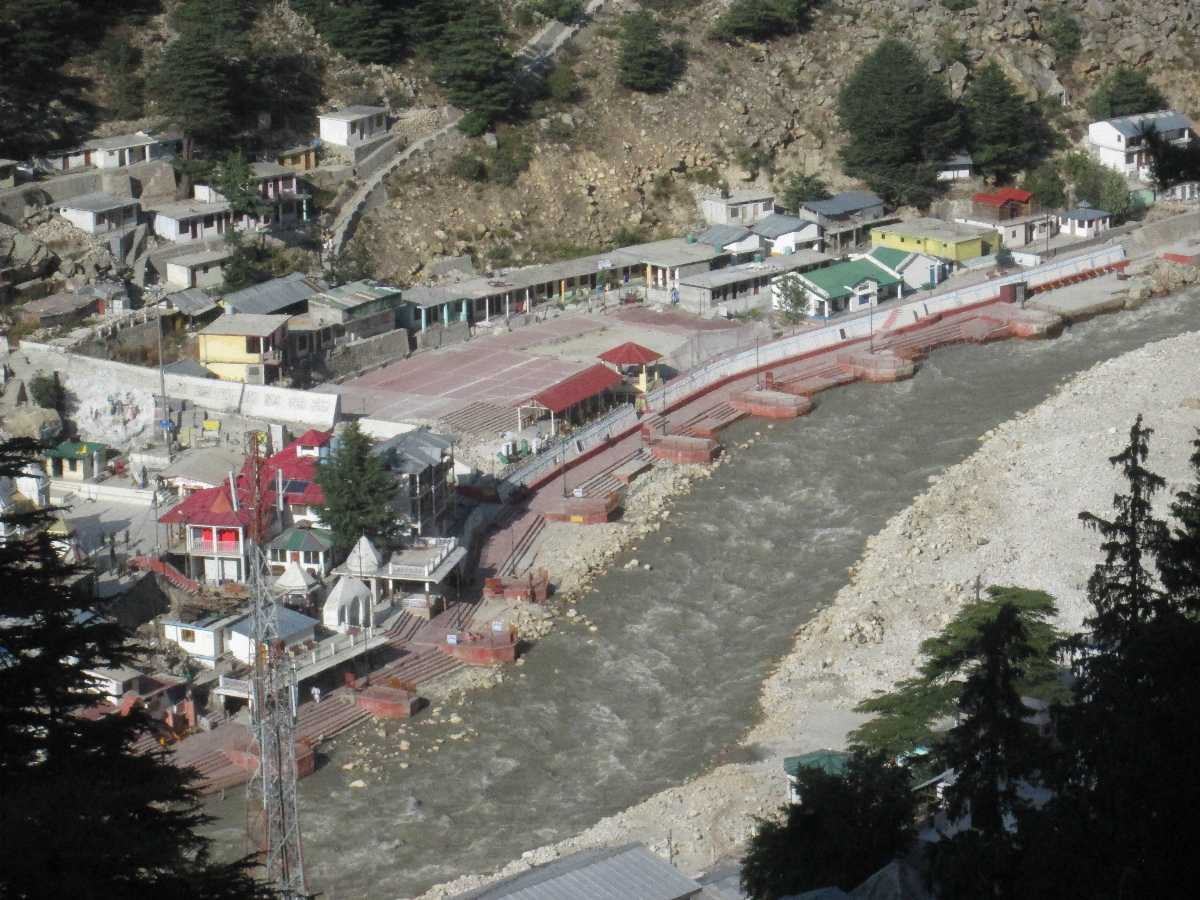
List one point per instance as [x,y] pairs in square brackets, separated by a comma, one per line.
[82,814]
[760,20]
[1179,555]
[898,117]
[195,88]
[122,63]
[1123,589]
[475,66]
[1046,185]
[905,716]
[359,492]
[844,828]
[645,62]
[1004,133]
[234,179]
[801,187]
[1125,92]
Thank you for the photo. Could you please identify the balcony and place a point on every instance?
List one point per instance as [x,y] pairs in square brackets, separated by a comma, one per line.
[271,357]
[199,547]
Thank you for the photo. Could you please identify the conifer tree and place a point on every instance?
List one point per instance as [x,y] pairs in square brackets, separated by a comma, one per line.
[1125,92]
[898,117]
[195,88]
[645,62]
[82,814]
[475,65]
[1123,589]
[1004,133]
[359,492]
[1179,556]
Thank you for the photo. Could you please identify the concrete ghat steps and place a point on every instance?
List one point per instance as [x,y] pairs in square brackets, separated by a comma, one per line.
[515,564]
[710,422]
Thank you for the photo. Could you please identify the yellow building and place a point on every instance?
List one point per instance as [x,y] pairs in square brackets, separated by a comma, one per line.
[244,347]
[933,237]
[301,159]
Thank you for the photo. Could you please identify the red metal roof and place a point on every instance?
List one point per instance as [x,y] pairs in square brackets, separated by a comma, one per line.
[630,354]
[1003,195]
[212,506]
[575,388]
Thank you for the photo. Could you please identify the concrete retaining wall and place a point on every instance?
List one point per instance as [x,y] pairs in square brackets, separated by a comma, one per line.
[287,405]
[351,358]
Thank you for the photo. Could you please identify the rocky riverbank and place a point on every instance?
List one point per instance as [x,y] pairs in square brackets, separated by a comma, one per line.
[1006,515]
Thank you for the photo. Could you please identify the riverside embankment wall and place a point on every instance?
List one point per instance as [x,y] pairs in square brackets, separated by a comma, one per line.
[842,334]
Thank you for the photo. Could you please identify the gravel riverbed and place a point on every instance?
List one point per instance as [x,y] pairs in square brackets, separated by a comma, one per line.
[1006,515]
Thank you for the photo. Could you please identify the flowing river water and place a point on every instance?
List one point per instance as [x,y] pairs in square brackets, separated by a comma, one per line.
[669,682]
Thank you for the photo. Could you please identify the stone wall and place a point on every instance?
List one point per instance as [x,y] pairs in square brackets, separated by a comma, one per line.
[351,358]
[443,335]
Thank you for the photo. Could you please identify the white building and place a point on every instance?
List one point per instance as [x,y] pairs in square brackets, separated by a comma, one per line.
[203,640]
[918,271]
[782,234]
[294,628]
[99,213]
[1120,143]
[958,167]
[738,208]
[197,270]
[347,606]
[353,126]
[737,240]
[280,187]
[1084,221]
[109,153]
[190,220]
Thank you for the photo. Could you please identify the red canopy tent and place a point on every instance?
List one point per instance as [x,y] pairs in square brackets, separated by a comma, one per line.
[630,354]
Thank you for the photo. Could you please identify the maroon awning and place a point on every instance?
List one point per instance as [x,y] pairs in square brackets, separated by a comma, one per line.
[577,388]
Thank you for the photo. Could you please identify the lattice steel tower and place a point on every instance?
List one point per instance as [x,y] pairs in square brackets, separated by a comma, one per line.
[272,813]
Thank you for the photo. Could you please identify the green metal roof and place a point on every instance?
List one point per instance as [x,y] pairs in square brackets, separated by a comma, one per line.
[890,257]
[831,762]
[314,540]
[840,280]
[76,449]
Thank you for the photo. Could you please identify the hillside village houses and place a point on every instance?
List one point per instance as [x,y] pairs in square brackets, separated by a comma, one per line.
[845,219]
[99,213]
[951,241]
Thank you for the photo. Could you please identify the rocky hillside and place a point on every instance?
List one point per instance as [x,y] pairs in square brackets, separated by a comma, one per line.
[616,160]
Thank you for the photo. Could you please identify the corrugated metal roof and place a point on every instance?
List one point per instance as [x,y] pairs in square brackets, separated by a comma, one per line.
[274,295]
[1163,120]
[625,873]
[843,204]
[1084,212]
[290,623]
[192,302]
[187,367]
[590,382]
[890,257]
[777,225]
[721,235]
[831,762]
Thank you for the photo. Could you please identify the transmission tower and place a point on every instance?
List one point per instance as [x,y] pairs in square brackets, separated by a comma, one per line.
[272,812]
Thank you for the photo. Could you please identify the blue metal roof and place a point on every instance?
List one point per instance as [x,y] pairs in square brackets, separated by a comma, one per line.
[844,203]
[290,623]
[720,236]
[776,225]
[272,296]
[1163,120]
[625,873]
[1085,212]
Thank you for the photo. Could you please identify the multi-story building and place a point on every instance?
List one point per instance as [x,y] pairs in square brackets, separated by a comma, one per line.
[1121,144]
[244,347]
[423,463]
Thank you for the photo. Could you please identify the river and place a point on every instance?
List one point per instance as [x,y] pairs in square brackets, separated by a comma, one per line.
[669,683]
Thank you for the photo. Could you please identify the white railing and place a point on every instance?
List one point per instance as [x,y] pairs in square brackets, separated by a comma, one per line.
[839,331]
[233,687]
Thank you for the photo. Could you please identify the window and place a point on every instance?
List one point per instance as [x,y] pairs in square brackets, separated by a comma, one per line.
[253,345]
[312,558]
[187,636]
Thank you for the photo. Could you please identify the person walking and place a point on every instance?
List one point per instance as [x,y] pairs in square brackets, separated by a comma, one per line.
[316,694]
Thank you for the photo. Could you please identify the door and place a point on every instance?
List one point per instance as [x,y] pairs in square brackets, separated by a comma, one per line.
[212,572]
[231,570]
